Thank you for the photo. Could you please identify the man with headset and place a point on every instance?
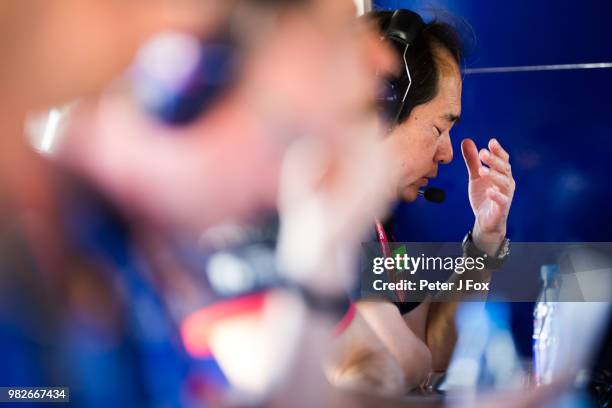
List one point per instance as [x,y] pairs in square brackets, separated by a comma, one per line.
[422,103]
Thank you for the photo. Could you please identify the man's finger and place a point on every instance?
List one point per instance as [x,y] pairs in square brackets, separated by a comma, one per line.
[498,150]
[470,155]
[495,161]
[502,181]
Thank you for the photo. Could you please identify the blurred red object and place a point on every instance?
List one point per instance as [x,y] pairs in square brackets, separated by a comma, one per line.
[197,327]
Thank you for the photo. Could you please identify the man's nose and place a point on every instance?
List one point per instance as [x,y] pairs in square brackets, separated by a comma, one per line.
[444,154]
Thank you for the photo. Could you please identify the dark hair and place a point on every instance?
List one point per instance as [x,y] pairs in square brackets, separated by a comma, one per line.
[424,69]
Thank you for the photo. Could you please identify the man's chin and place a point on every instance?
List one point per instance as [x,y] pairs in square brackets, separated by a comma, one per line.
[409,193]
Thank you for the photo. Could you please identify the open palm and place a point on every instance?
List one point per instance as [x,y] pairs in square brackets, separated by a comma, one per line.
[491,187]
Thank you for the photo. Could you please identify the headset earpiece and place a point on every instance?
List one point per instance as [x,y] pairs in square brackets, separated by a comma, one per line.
[404,26]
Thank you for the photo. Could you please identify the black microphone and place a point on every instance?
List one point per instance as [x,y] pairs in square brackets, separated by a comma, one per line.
[433,194]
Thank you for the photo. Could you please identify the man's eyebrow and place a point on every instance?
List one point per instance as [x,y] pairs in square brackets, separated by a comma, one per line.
[452,118]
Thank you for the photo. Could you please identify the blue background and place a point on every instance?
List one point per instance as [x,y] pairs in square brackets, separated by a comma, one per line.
[555,124]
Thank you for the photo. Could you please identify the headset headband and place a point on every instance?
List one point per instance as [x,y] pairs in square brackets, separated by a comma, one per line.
[403,28]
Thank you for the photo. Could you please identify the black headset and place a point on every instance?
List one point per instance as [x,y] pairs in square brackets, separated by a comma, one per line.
[402,30]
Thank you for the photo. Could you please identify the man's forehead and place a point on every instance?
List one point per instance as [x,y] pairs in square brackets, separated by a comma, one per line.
[444,58]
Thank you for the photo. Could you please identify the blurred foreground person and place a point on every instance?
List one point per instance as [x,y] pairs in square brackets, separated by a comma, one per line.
[82,303]
[225,166]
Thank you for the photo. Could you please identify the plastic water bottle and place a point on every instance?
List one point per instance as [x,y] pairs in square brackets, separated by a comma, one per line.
[546,326]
